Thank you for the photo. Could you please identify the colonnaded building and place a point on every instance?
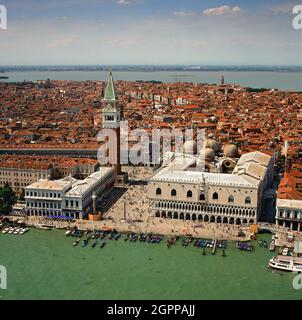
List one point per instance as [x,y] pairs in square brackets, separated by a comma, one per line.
[229,190]
[67,197]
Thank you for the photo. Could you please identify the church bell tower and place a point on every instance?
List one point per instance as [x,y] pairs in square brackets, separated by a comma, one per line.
[111,121]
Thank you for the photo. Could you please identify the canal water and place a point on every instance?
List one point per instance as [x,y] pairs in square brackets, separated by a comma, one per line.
[45,265]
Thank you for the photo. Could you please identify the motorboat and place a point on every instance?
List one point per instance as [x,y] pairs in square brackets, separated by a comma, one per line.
[76,242]
[285,251]
[272,246]
[84,242]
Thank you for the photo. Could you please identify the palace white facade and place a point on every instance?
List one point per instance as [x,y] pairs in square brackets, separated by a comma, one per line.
[289,213]
[179,191]
[67,197]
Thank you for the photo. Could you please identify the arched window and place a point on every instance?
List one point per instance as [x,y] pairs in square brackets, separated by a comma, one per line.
[173,193]
[202,197]
[248,200]
[215,196]
[189,194]
[231,199]
[158,191]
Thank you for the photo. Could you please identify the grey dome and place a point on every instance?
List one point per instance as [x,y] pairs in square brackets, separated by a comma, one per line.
[230,151]
[208,154]
[213,144]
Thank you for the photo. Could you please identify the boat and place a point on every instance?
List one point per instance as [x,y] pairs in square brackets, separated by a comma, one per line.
[43,227]
[76,242]
[272,246]
[67,233]
[5,230]
[245,246]
[103,245]
[84,242]
[285,251]
[286,263]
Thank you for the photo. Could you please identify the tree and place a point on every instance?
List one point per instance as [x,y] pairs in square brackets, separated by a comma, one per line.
[7,199]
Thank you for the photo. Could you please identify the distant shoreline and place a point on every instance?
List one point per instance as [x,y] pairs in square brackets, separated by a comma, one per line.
[294,69]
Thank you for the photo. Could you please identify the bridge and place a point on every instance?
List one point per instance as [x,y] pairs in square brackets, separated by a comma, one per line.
[263,226]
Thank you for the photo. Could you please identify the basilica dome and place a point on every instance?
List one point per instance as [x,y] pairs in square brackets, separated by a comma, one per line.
[230,151]
[213,144]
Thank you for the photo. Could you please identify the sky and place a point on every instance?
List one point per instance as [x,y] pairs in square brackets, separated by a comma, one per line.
[122,32]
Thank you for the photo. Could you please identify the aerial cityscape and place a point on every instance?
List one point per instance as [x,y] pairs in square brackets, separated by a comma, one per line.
[176,172]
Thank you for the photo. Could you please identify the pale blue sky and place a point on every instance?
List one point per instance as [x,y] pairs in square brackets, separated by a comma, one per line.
[150,32]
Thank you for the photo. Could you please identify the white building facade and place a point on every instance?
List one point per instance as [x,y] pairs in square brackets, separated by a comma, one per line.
[289,214]
[176,191]
[67,197]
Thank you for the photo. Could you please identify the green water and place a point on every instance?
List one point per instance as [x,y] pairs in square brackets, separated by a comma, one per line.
[44,265]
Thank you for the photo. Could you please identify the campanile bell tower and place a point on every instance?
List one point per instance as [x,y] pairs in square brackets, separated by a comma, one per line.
[111,121]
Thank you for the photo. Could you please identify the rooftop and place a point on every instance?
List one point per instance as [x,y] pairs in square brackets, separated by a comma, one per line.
[80,187]
[247,174]
[56,185]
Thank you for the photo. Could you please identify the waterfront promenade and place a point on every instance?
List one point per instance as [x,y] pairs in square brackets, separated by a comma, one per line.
[150,225]
[129,213]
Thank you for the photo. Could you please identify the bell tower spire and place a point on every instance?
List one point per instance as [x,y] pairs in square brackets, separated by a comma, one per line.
[111,109]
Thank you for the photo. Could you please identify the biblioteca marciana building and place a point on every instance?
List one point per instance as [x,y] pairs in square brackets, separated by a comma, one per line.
[229,190]
[67,197]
